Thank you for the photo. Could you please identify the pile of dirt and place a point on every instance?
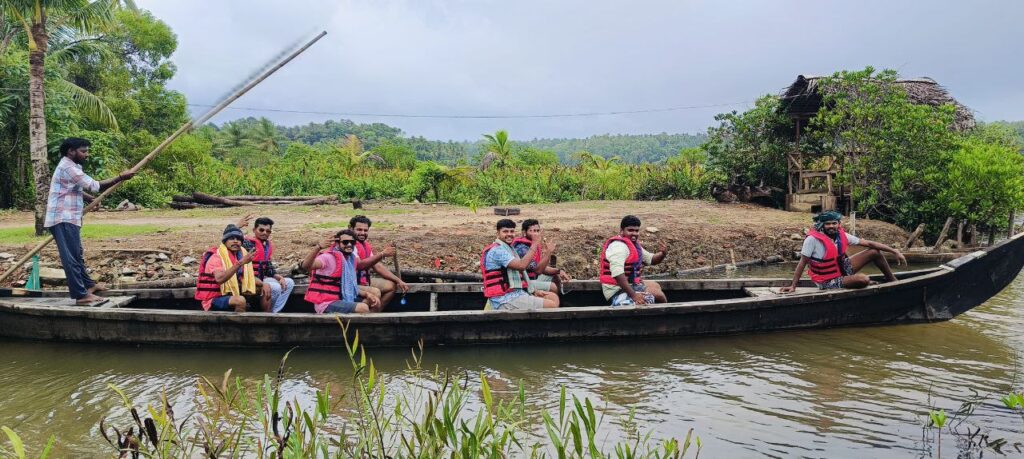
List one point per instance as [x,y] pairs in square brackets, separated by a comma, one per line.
[698,233]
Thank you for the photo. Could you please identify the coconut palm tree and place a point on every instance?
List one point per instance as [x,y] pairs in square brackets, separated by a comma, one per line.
[596,162]
[498,149]
[351,150]
[39,19]
[265,137]
[231,136]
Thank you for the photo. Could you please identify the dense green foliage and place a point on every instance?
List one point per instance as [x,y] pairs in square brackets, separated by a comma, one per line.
[901,162]
[747,148]
[107,85]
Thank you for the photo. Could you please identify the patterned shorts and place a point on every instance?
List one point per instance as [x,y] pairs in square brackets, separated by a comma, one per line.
[847,269]
[621,299]
[831,284]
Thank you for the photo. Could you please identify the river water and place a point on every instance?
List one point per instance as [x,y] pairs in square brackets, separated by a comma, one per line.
[854,392]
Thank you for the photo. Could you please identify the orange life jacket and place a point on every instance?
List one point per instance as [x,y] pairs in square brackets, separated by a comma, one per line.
[830,267]
[634,262]
[496,280]
[324,289]
[261,262]
[536,255]
[364,250]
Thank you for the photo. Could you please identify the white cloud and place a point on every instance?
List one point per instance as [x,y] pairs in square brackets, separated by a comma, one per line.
[536,57]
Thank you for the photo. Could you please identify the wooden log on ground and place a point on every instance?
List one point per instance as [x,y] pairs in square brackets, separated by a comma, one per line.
[942,235]
[506,211]
[913,236]
[274,198]
[192,205]
[319,201]
[447,275]
[203,198]
[181,198]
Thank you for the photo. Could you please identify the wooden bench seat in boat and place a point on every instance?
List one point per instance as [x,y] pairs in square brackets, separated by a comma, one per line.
[762,292]
[112,301]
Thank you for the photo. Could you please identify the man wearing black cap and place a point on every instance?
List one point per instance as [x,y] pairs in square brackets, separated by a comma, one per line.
[824,251]
[226,279]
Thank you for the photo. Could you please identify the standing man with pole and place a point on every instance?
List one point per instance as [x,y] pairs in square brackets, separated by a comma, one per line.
[64,215]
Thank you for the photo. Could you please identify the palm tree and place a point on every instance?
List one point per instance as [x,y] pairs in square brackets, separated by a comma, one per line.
[351,150]
[38,19]
[265,137]
[596,162]
[498,148]
[232,136]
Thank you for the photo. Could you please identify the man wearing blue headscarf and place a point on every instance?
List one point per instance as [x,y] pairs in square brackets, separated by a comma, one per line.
[824,252]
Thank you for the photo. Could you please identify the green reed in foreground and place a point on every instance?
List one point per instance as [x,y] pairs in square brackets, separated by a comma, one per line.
[972,440]
[415,414]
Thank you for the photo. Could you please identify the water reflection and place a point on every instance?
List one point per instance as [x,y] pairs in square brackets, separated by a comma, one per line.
[856,392]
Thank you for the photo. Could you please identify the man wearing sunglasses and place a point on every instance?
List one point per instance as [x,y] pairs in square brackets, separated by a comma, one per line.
[276,288]
[334,277]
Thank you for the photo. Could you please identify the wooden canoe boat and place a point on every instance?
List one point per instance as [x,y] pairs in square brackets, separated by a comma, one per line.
[451,313]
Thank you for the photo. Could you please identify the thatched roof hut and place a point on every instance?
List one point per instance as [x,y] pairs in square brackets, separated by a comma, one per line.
[802,99]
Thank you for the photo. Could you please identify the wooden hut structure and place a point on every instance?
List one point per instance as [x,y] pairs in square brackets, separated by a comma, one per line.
[810,186]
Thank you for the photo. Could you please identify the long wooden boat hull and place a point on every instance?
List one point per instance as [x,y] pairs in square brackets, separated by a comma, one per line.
[450,313]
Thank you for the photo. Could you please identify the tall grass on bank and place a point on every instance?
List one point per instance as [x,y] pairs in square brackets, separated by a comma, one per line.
[432,414]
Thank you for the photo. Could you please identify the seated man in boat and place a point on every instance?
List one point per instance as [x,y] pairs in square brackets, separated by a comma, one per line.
[388,282]
[542,276]
[276,287]
[824,251]
[506,284]
[226,279]
[622,263]
[333,285]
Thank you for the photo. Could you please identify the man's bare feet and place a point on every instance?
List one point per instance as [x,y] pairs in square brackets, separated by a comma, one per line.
[99,287]
[89,299]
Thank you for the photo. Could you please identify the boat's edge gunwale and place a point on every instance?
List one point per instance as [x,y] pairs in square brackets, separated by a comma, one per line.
[746,303]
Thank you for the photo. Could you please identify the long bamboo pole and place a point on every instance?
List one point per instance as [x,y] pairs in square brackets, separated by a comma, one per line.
[163,145]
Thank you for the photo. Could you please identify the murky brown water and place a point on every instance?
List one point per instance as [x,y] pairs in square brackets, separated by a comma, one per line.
[857,392]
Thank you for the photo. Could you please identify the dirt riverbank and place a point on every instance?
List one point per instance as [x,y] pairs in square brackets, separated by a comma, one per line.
[699,233]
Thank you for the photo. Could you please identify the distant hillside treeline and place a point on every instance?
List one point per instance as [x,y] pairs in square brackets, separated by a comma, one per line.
[635,149]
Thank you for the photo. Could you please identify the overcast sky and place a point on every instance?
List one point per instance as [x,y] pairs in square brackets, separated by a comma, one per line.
[528,57]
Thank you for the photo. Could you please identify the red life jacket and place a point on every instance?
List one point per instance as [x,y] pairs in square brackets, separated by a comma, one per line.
[536,255]
[496,280]
[324,289]
[634,262]
[207,287]
[261,263]
[830,267]
[364,250]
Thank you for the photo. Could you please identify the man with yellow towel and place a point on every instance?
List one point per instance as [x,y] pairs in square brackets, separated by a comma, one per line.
[226,279]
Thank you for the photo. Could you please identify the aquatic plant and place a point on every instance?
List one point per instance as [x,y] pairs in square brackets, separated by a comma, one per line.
[429,416]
